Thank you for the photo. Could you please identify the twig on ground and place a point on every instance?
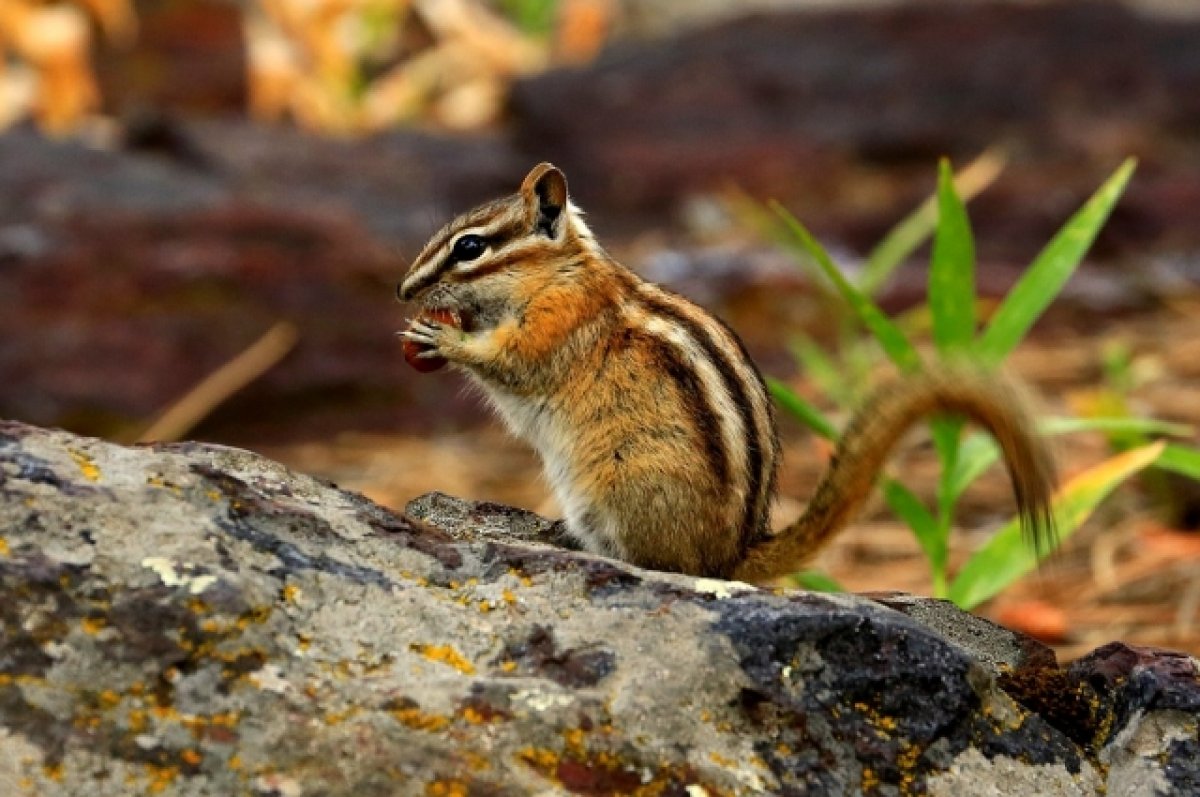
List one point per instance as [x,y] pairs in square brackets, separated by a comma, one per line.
[216,388]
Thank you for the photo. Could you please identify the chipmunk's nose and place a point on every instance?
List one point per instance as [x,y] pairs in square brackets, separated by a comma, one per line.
[406,290]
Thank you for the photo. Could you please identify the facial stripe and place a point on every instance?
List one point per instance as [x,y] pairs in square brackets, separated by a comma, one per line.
[500,221]
[493,263]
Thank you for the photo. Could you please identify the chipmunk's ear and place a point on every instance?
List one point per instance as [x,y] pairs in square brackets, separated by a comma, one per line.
[545,192]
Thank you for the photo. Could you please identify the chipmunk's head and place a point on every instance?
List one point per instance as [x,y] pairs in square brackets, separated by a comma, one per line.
[478,261]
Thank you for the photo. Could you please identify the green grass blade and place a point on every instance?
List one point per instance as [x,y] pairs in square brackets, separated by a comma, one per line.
[1183,460]
[805,412]
[947,436]
[1122,424]
[1049,271]
[816,581]
[976,454]
[952,270]
[890,338]
[947,439]
[1007,556]
[924,525]
[912,231]
[828,376]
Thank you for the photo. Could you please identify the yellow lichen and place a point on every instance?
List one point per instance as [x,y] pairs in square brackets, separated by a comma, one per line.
[195,723]
[291,593]
[85,464]
[446,654]
[225,719]
[472,715]
[234,762]
[93,625]
[137,720]
[53,772]
[721,760]
[574,740]
[158,481]
[539,757]
[3,547]
[475,761]
[161,777]
[87,722]
[109,699]
[418,720]
[191,757]
[908,756]
[258,615]
[446,788]
[338,717]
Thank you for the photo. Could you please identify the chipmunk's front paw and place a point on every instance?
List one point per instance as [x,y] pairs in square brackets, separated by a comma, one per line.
[436,337]
[429,341]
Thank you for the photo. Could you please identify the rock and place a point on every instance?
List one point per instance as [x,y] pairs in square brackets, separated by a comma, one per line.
[191,619]
[1152,744]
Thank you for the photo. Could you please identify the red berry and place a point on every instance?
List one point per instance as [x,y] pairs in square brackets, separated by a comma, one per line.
[411,349]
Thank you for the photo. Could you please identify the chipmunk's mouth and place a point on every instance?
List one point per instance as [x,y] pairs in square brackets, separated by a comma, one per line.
[441,301]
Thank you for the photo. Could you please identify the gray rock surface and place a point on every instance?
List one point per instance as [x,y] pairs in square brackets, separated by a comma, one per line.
[197,620]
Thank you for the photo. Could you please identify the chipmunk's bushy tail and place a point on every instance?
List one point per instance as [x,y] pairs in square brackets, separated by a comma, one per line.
[872,435]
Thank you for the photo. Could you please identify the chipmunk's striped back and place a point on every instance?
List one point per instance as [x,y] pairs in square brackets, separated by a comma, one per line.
[731,391]
[655,429]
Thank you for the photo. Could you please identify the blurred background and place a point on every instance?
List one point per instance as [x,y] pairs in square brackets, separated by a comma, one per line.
[205,206]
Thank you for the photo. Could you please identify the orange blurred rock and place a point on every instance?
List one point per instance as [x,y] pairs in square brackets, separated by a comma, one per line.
[1036,618]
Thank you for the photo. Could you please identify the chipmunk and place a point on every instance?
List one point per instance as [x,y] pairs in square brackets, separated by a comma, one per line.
[655,429]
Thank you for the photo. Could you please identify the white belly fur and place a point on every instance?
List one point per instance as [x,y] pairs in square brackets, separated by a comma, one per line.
[538,425]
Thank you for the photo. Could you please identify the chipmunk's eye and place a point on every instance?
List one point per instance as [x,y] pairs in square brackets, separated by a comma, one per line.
[467,248]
